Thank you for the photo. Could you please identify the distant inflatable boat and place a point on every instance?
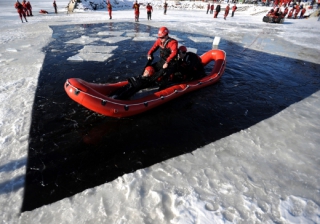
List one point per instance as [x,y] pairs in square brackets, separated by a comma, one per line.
[273,19]
[95,96]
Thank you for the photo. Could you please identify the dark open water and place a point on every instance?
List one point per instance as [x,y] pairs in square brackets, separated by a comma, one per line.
[72,149]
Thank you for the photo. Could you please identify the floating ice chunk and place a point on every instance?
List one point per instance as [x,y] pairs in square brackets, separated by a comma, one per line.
[134,34]
[201,39]
[176,37]
[110,33]
[144,39]
[11,50]
[75,58]
[113,40]
[26,46]
[82,40]
[97,49]
[95,56]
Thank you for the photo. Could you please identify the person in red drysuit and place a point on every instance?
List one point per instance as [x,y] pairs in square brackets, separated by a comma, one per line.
[297,11]
[218,8]
[20,10]
[270,13]
[234,8]
[149,11]
[208,7]
[24,4]
[285,11]
[290,14]
[168,54]
[303,11]
[226,11]
[211,8]
[136,7]
[109,7]
[29,8]
[160,71]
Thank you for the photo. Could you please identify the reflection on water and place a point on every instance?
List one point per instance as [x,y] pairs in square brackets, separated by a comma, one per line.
[72,149]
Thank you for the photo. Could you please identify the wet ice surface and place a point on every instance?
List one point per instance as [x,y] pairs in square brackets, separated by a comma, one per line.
[200,168]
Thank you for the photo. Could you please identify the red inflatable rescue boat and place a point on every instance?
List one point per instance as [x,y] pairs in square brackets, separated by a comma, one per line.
[95,96]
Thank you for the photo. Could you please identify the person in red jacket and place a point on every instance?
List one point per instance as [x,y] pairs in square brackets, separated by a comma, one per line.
[290,13]
[168,55]
[234,8]
[303,11]
[285,11]
[136,8]
[159,72]
[226,11]
[24,4]
[297,11]
[20,10]
[29,7]
[109,7]
[149,11]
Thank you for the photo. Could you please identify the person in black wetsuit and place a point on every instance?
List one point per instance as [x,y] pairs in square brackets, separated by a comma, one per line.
[190,66]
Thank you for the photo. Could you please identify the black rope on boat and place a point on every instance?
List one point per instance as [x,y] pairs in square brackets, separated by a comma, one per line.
[103,102]
[126,107]
[145,104]
[76,92]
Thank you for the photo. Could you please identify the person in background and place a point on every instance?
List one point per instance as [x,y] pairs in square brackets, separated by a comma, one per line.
[285,11]
[55,6]
[149,11]
[109,7]
[24,4]
[297,8]
[29,8]
[208,7]
[226,11]
[190,66]
[136,8]
[165,6]
[290,13]
[20,10]
[211,9]
[234,8]
[218,8]
[303,11]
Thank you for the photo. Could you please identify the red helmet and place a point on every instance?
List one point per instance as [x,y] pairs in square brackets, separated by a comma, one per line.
[182,49]
[148,71]
[163,31]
